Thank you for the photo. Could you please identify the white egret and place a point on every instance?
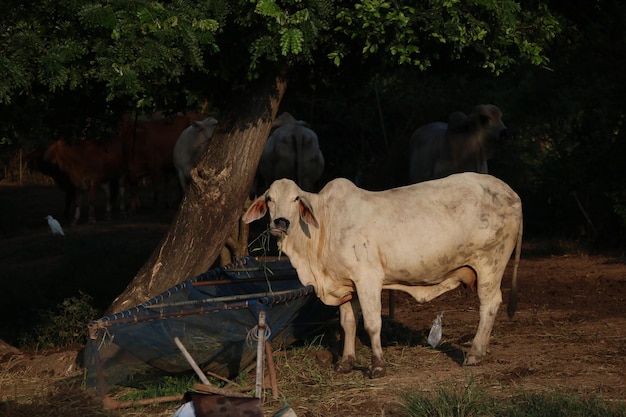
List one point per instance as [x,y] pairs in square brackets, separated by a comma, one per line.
[55,226]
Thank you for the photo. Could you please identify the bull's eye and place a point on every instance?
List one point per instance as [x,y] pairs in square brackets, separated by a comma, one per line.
[268,199]
[297,198]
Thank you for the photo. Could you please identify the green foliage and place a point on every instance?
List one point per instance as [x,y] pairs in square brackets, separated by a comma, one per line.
[473,400]
[79,64]
[64,326]
[292,32]
[155,384]
[466,401]
[291,41]
[146,45]
[553,404]
[126,45]
[494,35]
[137,49]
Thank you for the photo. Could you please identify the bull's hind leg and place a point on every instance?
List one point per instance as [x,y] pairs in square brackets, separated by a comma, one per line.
[78,201]
[490,297]
[122,198]
[91,198]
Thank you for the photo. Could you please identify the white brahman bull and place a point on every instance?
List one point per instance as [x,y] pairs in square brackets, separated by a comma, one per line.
[190,146]
[292,151]
[464,144]
[424,239]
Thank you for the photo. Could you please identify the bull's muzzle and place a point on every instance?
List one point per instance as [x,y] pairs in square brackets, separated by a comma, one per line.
[279,226]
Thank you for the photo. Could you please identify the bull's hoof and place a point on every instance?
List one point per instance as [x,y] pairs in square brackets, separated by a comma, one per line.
[376,372]
[345,366]
[377,369]
[472,360]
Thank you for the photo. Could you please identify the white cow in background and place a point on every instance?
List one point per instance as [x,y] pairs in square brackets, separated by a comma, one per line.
[292,151]
[190,147]
[424,239]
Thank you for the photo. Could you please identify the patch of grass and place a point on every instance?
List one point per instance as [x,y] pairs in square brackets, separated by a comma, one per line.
[473,401]
[467,401]
[163,386]
[554,404]
[63,326]
[308,381]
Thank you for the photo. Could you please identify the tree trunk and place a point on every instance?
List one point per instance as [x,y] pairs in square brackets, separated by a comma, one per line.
[216,197]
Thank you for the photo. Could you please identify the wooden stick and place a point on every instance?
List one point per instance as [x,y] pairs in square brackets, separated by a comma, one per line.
[221,378]
[271,369]
[193,363]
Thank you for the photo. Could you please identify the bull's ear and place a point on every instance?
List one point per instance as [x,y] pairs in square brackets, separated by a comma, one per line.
[306,212]
[256,211]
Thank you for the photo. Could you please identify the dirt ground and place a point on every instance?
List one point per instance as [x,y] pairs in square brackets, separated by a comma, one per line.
[569,332]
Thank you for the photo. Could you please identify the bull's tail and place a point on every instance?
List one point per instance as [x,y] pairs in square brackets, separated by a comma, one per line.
[513,294]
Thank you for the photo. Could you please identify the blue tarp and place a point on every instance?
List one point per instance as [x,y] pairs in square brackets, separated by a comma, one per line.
[213,314]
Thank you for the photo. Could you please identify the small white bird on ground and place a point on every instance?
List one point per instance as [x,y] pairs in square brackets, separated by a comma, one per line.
[434,336]
[55,226]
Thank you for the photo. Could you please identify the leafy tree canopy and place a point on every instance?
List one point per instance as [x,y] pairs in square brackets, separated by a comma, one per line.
[93,59]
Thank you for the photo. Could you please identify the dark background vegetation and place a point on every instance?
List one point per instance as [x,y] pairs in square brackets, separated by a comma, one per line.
[566,159]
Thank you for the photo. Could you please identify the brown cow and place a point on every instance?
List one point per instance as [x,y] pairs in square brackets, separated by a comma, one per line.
[149,148]
[141,149]
[35,160]
[89,165]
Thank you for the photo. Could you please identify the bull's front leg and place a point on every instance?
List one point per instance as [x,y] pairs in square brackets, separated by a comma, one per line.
[106,186]
[348,318]
[77,202]
[371,305]
[122,191]
[93,194]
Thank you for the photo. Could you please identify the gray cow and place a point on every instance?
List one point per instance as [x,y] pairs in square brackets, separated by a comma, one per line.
[190,147]
[464,144]
[292,151]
